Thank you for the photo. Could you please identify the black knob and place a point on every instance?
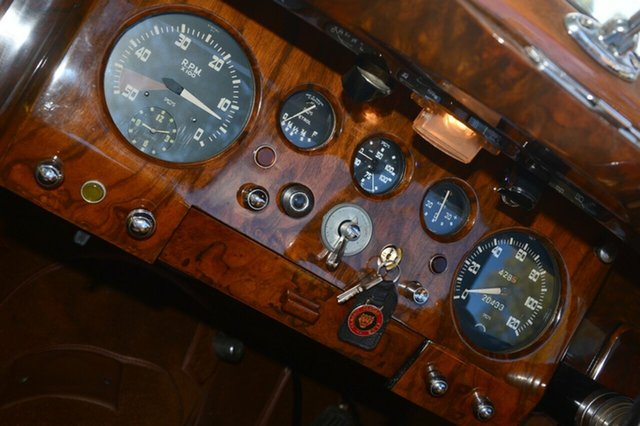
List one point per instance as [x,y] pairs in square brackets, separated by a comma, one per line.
[521,189]
[228,348]
[368,79]
[297,200]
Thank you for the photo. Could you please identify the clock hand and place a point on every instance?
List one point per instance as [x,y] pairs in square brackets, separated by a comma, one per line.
[176,88]
[152,130]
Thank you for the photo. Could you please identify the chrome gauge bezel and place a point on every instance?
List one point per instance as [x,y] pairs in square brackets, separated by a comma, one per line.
[217,25]
[552,313]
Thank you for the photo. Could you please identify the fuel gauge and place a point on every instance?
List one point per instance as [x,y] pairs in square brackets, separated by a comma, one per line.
[307,119]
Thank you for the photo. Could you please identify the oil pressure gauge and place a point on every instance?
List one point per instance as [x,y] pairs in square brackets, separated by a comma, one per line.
[307,119]
[378,165]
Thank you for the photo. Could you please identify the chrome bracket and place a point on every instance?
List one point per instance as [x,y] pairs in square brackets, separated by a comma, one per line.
[611,44]
[582,94]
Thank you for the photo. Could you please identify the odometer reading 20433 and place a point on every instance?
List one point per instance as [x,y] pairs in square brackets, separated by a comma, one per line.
[506,292]
[179,87]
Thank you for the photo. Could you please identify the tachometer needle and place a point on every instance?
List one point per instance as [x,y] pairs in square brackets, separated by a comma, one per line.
[299,114]
[176,88]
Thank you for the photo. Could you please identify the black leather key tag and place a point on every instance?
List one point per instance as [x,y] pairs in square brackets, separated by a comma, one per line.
[368,318]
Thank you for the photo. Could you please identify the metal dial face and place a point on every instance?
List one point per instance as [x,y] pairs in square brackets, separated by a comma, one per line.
[506,292]
[378,165]
[179,87]
[307,119]
[445,208]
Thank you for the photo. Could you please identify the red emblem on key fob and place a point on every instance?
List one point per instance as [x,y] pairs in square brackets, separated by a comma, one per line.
[365,320]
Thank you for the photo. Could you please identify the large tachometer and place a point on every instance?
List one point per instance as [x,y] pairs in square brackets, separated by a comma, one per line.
[179,87]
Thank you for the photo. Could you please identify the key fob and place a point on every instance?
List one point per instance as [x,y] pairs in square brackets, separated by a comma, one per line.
[369,315]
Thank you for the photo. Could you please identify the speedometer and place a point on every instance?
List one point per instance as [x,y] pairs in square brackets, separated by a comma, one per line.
[179,87]
[507,291]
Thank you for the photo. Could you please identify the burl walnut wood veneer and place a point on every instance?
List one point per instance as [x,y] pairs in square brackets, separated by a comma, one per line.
[270,261]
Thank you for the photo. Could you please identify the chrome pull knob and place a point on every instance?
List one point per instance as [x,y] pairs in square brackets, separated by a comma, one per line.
[254,197]
[140,223]
[414,291]
[436,382]
[483,408]
[348,231]
[49,173]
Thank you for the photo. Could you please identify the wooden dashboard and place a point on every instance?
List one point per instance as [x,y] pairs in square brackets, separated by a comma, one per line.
[267,259]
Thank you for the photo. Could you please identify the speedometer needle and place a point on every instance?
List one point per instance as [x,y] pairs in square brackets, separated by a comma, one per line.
[176,88]
[490,290]
[300,113]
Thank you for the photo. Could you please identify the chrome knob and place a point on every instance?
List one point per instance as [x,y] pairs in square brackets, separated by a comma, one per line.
[436,382]
[254,198]
[415,291]
[49,173]
[141,224]
[483,408]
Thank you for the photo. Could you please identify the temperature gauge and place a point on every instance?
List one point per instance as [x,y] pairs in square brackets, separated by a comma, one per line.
[378,165]
[307,119]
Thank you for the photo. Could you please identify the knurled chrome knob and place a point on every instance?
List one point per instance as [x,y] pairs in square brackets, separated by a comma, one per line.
[436,382]
[254,197]
[141,224]
[49,173]
[483,408]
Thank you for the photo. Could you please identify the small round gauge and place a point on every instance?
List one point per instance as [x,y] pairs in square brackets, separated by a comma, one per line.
[506,292]
[151,129]
[307,119]
[179,87]
[378,165]
[445,208]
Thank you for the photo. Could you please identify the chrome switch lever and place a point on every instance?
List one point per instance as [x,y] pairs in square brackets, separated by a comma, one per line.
[348,231]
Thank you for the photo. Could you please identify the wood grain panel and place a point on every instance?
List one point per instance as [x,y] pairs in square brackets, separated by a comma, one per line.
[257,257]
[226,260]
[478,47]
[511,406]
